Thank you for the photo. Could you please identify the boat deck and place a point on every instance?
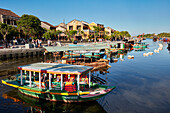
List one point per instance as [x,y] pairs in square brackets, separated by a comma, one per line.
[83,87]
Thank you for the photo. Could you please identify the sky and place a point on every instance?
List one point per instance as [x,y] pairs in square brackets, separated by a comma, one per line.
[134,16]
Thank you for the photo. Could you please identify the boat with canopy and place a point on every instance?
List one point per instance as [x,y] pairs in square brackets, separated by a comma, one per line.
[58,82]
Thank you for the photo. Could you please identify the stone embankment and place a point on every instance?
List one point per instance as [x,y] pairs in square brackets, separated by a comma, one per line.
[20,53]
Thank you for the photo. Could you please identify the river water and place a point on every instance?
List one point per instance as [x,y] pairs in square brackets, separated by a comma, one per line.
[142,86]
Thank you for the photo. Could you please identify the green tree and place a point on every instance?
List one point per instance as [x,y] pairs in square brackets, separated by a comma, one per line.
[163,34]
[107,37]
[48,35]
[30,25]
[72,34]
[7,30]
[116,35]
[96,32]
[80,33]
[124,34]
[13,33]
[91,36]
[58,32]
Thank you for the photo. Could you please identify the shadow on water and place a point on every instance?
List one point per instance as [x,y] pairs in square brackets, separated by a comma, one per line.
[10,66]
[32,105]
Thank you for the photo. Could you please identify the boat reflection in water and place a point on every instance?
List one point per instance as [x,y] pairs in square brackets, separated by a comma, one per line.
[168,47]
[40,106]
[139,49]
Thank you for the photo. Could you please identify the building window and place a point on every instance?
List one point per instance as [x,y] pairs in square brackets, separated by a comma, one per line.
[15,22]
[5,21]
[78,27]
[8,21]
[70,27]
[85,27]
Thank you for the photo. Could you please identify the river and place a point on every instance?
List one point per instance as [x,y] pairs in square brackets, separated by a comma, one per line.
[142,86]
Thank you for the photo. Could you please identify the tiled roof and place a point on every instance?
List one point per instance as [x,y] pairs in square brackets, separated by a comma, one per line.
[61,26]
[83,22]
[8,13]
[48,24]
[111,29]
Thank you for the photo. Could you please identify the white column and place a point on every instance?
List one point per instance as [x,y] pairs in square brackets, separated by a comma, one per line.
[30,78]
[54,75]
[78,81]
[49,81]
[61,81]
[69,76]
[21,77]
[89,78]
[39,80]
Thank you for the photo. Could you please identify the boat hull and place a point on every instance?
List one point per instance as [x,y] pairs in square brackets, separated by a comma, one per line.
[58,95]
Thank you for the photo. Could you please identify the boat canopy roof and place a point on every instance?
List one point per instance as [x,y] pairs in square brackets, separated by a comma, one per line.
[74,48]
[55,68]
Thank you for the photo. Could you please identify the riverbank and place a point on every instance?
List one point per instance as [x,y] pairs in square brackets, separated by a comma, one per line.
[10,53]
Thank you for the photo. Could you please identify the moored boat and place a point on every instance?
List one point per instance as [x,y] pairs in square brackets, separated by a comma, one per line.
[58,82]
[140,45]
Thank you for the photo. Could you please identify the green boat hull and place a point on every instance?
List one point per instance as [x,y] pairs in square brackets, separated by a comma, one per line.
[145,46]
[58,95]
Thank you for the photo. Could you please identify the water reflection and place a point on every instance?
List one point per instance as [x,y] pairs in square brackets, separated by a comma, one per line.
[35,105]
[142,86]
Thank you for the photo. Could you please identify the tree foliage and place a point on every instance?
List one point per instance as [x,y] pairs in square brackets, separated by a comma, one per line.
[72,34]
[120,35]
[125,34]
[148,35]
[57,33]
[4,30]
[163,34]
[8,32]
[159,35]
[30,25]
[13,32]
[116,35]
[96,32]
[49,34]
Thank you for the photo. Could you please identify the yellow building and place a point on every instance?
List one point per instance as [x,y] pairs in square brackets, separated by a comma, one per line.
[91,25]
[79,26]
[109,31]
[87,28]
[101,32]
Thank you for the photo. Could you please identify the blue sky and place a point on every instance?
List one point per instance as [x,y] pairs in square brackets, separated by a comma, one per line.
[135,16]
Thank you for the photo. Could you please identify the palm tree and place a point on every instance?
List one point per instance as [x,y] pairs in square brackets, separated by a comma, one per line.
[72,34]
[80,33]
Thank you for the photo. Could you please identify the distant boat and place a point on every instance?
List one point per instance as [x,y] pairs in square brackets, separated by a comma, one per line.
[140,45]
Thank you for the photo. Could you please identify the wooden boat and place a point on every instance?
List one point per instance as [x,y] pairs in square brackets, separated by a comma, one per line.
[93,55]
[58,82]
[71,55]
[39,106]
[139,49]
[140,45]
